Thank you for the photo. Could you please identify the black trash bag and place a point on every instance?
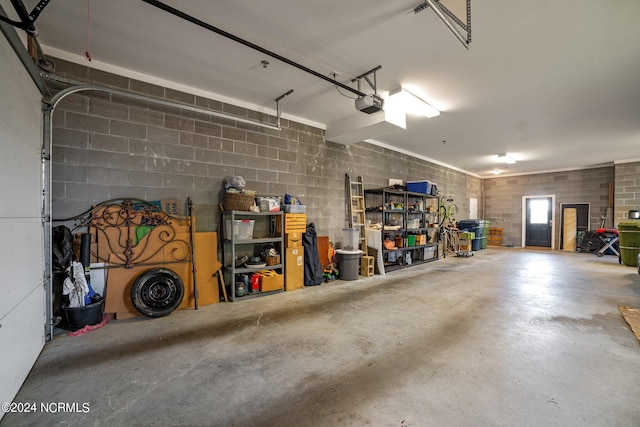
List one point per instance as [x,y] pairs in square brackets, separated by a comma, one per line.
[61,248]
[312,266]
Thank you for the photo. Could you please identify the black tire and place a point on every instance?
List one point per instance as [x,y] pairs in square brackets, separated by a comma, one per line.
[157,292]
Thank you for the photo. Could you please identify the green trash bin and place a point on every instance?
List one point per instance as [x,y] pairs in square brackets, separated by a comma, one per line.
[629,233]
[485,233]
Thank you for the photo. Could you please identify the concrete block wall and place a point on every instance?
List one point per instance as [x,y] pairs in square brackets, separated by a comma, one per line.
[627,194]
[106,146]
[503,197]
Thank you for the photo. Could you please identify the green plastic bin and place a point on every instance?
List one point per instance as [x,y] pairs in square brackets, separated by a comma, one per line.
[629,233]
[485,233]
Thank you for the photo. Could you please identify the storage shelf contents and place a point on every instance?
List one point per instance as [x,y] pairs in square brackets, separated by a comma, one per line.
[402,227]
[251,252]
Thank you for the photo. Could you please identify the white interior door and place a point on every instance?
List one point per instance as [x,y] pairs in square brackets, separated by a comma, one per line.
[22,293]
[473,208]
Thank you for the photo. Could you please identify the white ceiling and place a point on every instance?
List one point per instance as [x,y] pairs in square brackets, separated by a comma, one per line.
[555,83]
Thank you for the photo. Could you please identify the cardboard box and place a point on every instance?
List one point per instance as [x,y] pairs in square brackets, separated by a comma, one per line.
[294,269]
[270,281]
[120,280]
[421,239]
[293,240]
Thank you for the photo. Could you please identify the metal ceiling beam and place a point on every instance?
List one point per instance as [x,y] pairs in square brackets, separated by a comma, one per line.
[24,57]
[438,10]
[223,33]
[26,19]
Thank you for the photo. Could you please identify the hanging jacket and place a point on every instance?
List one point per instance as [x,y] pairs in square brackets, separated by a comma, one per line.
[312,266]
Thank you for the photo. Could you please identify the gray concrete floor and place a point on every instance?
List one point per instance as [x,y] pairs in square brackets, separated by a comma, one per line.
[506,337]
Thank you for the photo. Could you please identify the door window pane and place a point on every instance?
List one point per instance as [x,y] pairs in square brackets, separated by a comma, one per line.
[539,211]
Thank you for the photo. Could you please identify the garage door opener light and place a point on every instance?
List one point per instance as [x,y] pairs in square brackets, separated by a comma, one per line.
[506,159]
[412,103]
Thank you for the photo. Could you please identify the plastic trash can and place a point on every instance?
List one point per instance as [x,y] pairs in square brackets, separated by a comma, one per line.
[485,233]
[348,264]
[474,226]
[629,233]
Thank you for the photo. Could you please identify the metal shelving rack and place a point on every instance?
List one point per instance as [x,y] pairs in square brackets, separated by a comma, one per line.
[270,222]
[394,209]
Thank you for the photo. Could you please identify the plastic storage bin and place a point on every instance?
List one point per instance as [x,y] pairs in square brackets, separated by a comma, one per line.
[295,208]
[429,253]
[423,187]
[629,233]
[413,223]
[242,228]
[350,238]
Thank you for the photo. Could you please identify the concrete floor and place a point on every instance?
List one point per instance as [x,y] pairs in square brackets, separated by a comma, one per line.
[507,337]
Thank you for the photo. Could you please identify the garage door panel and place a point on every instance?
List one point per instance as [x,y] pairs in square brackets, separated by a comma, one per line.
[20,163]
[22,253]
[22,294]
[17,325]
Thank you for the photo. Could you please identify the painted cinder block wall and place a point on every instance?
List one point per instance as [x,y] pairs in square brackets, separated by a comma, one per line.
[503,197]
[107,146]
[627,194]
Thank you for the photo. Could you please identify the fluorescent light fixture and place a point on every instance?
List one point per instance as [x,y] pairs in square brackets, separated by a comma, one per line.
[506,159]
[412,103]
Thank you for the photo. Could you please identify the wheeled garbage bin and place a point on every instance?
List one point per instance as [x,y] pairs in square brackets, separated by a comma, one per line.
[629,232]
[485,233]
[475,226]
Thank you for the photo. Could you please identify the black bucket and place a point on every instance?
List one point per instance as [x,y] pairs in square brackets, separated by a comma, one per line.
[79,317]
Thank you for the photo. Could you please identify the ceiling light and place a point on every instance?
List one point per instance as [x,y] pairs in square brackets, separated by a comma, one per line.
[496,172]
[506,159]
[412,103]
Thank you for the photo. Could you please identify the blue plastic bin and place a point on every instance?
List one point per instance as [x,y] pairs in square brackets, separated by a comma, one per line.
[423,187]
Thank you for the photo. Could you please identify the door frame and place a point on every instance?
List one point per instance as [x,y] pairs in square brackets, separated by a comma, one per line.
[553,217]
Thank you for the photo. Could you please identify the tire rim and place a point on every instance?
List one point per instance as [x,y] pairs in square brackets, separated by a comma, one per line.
[159,293]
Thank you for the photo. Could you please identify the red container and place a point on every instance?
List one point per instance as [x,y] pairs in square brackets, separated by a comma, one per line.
[255,283]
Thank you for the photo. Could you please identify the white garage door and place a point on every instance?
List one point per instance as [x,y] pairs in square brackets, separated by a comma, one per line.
[22,293]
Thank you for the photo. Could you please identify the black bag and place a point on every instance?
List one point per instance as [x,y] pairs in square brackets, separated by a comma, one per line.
[61,248]
[312,266]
